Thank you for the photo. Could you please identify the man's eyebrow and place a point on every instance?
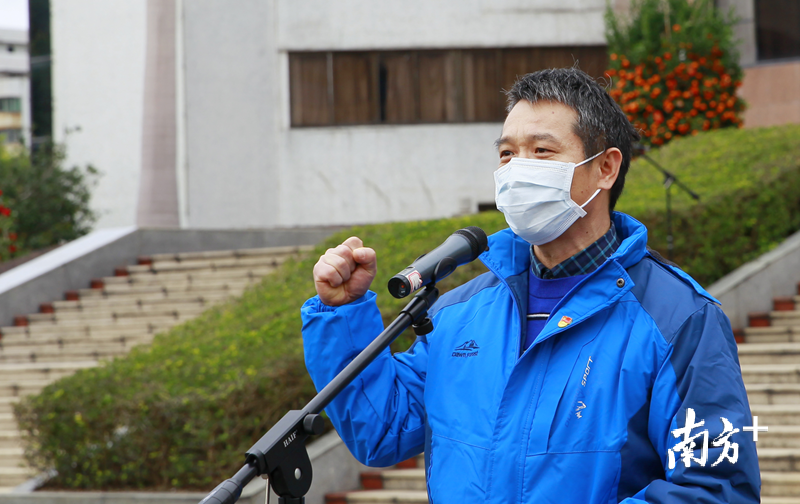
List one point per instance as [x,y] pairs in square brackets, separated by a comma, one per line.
[543,137]
[500,141]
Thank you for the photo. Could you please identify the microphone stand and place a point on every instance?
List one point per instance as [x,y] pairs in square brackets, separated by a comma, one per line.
[669,180]
[281,452]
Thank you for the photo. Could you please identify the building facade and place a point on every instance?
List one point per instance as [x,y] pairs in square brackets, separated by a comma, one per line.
[15,123]
[769,35]
[279,113]
[263,113]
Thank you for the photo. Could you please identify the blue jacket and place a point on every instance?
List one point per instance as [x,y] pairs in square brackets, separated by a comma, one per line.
[584,415]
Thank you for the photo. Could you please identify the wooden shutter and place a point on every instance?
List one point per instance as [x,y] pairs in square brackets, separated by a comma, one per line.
[401,87]
[310,89]
[440,86]
[354,88]
[483,99]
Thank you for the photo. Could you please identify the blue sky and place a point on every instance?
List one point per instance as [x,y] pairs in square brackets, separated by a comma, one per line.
[14,14]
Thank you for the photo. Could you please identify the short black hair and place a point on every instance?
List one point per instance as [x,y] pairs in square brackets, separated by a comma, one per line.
[601,123]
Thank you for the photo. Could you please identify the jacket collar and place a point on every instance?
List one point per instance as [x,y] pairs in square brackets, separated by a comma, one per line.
[509,255]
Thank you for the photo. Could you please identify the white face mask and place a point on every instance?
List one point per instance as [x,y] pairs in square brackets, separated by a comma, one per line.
[534,196]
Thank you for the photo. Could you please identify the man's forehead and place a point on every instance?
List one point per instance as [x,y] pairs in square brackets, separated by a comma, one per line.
[533,137]
[539,121]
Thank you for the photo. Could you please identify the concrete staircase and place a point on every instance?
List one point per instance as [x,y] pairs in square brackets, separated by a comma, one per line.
[402,484]
[769,353]
[770,361]
[108,319]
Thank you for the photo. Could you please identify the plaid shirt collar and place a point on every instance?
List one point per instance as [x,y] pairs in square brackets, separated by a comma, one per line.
[582,263]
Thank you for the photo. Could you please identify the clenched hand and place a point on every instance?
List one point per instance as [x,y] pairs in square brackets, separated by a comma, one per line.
[344,274]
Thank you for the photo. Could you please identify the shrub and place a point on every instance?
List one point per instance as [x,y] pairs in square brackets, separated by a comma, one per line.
[8,238]
[181,412]
[50,203]
[675,68]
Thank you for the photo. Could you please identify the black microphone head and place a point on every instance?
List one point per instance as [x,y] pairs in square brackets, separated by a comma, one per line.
[477,239]
[434,267]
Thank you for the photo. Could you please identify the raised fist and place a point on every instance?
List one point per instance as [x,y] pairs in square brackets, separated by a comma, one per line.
[344,274]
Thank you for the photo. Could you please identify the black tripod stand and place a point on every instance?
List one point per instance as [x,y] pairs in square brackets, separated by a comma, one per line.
[281,452]
[669,180]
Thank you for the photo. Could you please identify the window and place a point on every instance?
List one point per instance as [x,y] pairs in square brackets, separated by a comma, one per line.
[11,136]
[778,29]
[9,104]
[422,86]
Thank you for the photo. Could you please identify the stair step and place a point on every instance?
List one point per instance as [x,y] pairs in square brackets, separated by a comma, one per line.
[777,373]
[118,322]
[379,497]
[771,335]
[394,479]
[23,388]
[769,353]
[7,422]
[47,334]
[158,291]
[220,254]
[208,264]
[100,325]
[404,479]
[778,459]
[780,487]
[223,282]
[776,414]
[150,278]
[7,403]
[69,353]
[74,339]
[12,457]
[13,476]
[784,318]
[118,316]
[780,436]
[205,298]
[10,439]
[773,393]
[42,370]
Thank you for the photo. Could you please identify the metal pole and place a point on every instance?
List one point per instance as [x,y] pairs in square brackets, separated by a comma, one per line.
[670,245]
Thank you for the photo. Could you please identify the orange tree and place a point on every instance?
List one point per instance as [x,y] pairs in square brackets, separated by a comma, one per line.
[674,68]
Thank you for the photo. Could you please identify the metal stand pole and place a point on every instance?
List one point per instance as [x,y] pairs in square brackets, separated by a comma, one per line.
[669,180]
[281,452]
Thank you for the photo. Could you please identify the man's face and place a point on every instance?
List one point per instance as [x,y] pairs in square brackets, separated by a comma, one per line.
[544,130]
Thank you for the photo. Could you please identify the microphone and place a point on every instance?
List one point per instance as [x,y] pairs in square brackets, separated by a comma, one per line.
[462,247]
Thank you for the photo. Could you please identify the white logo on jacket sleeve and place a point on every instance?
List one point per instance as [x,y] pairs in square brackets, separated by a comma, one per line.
[581,406]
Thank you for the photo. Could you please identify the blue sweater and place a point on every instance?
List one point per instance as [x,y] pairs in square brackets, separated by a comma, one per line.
[543,296]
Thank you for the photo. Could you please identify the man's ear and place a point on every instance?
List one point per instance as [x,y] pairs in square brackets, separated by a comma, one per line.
[609,168]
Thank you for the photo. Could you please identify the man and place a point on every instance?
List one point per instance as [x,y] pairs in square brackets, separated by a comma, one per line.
[587,352]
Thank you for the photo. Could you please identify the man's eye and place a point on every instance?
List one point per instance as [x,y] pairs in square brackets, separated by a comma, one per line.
[506,153]
[541,150]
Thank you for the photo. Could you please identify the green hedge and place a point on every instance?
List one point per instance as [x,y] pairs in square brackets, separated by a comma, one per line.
[748,183]
[180,413]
